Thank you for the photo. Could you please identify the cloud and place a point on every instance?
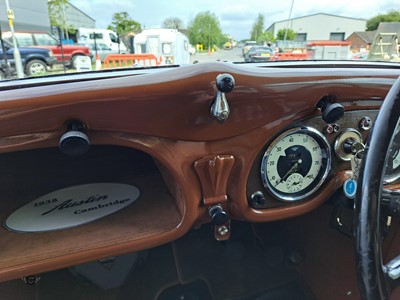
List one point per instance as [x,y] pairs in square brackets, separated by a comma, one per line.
[236,16]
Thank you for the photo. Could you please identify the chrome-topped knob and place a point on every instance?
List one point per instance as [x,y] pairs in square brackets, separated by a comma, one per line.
[220,108]
[225,83]
[74,142]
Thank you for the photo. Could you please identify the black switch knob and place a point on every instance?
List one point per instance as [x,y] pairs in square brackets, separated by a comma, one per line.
[332,112]
[218,215]
[225,83]
[352,146]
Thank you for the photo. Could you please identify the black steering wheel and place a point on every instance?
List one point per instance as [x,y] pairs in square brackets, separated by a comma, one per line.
[376,279]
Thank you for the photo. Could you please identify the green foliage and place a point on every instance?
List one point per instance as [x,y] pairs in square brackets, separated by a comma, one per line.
[258,28]
[57,13]
[225,38]
[266,37]
[390,16]
[174,23]
[123,23]
[257,31]
[290,34]
[205,29]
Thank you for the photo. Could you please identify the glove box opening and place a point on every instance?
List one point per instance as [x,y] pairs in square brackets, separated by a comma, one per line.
[29,175]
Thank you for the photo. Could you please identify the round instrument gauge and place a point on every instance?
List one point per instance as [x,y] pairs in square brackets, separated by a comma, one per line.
[392,172]
[296,164]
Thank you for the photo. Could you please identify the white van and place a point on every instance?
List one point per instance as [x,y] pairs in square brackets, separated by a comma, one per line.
[169,45]
[103,36]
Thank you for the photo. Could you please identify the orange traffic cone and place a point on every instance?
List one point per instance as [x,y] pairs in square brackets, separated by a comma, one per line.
[98,62]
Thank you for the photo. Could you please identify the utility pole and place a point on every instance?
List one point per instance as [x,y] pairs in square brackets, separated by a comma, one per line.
[290,16]
[65,29]
[17,55]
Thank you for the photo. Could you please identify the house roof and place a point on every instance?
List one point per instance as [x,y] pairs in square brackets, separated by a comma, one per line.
[389,27]
[83,13]
[366,36]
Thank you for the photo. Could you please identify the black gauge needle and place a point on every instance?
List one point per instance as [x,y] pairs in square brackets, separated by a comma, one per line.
[290,172]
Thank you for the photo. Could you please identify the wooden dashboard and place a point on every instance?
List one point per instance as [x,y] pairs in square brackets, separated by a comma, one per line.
[155,130]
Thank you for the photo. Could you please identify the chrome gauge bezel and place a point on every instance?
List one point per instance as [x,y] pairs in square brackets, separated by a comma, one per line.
[348,133]
[322,173]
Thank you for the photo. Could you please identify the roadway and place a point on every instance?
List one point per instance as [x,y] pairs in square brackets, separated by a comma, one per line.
[233,55]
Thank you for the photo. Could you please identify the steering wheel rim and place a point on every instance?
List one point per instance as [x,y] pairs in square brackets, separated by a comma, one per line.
[374,282]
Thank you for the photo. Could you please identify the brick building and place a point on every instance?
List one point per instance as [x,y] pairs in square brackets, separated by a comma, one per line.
[361,40]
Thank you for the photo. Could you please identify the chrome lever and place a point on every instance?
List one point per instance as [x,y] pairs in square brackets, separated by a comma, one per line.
[220,108]
[392,268]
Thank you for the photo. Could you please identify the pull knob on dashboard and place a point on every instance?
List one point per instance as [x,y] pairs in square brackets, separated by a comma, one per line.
[331,111]
[220,108]
[74,142]
[218,215]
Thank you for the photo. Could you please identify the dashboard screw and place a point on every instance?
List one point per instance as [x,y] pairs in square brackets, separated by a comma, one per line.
[31,280]
[365,124]
[223,230]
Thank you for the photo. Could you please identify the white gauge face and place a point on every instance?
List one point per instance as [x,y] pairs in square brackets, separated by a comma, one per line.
[296,164]
[294,183]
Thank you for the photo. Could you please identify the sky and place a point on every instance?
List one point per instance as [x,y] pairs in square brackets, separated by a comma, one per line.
[236,17]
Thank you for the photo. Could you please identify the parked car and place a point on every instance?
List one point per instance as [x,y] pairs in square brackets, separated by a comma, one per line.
[228,45]
[260,54]
[45,40]
[252,51]
[35,61]
[102,50]
[102,36]
[247,46]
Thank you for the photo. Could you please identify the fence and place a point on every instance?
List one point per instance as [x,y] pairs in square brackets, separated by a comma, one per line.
[130,60]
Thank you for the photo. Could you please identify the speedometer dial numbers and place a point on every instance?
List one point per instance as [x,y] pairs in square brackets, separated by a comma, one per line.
[295,164]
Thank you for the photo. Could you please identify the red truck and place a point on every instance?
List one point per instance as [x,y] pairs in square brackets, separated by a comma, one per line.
[45,40]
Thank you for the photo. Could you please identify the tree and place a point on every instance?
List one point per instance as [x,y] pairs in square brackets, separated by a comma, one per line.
[258,28]
[290,34]
[122,23]
[390,16]
[174,23]
[57,13]
[205,29]
[266,37]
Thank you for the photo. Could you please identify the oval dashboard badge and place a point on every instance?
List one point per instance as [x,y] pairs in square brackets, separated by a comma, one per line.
[72,206]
